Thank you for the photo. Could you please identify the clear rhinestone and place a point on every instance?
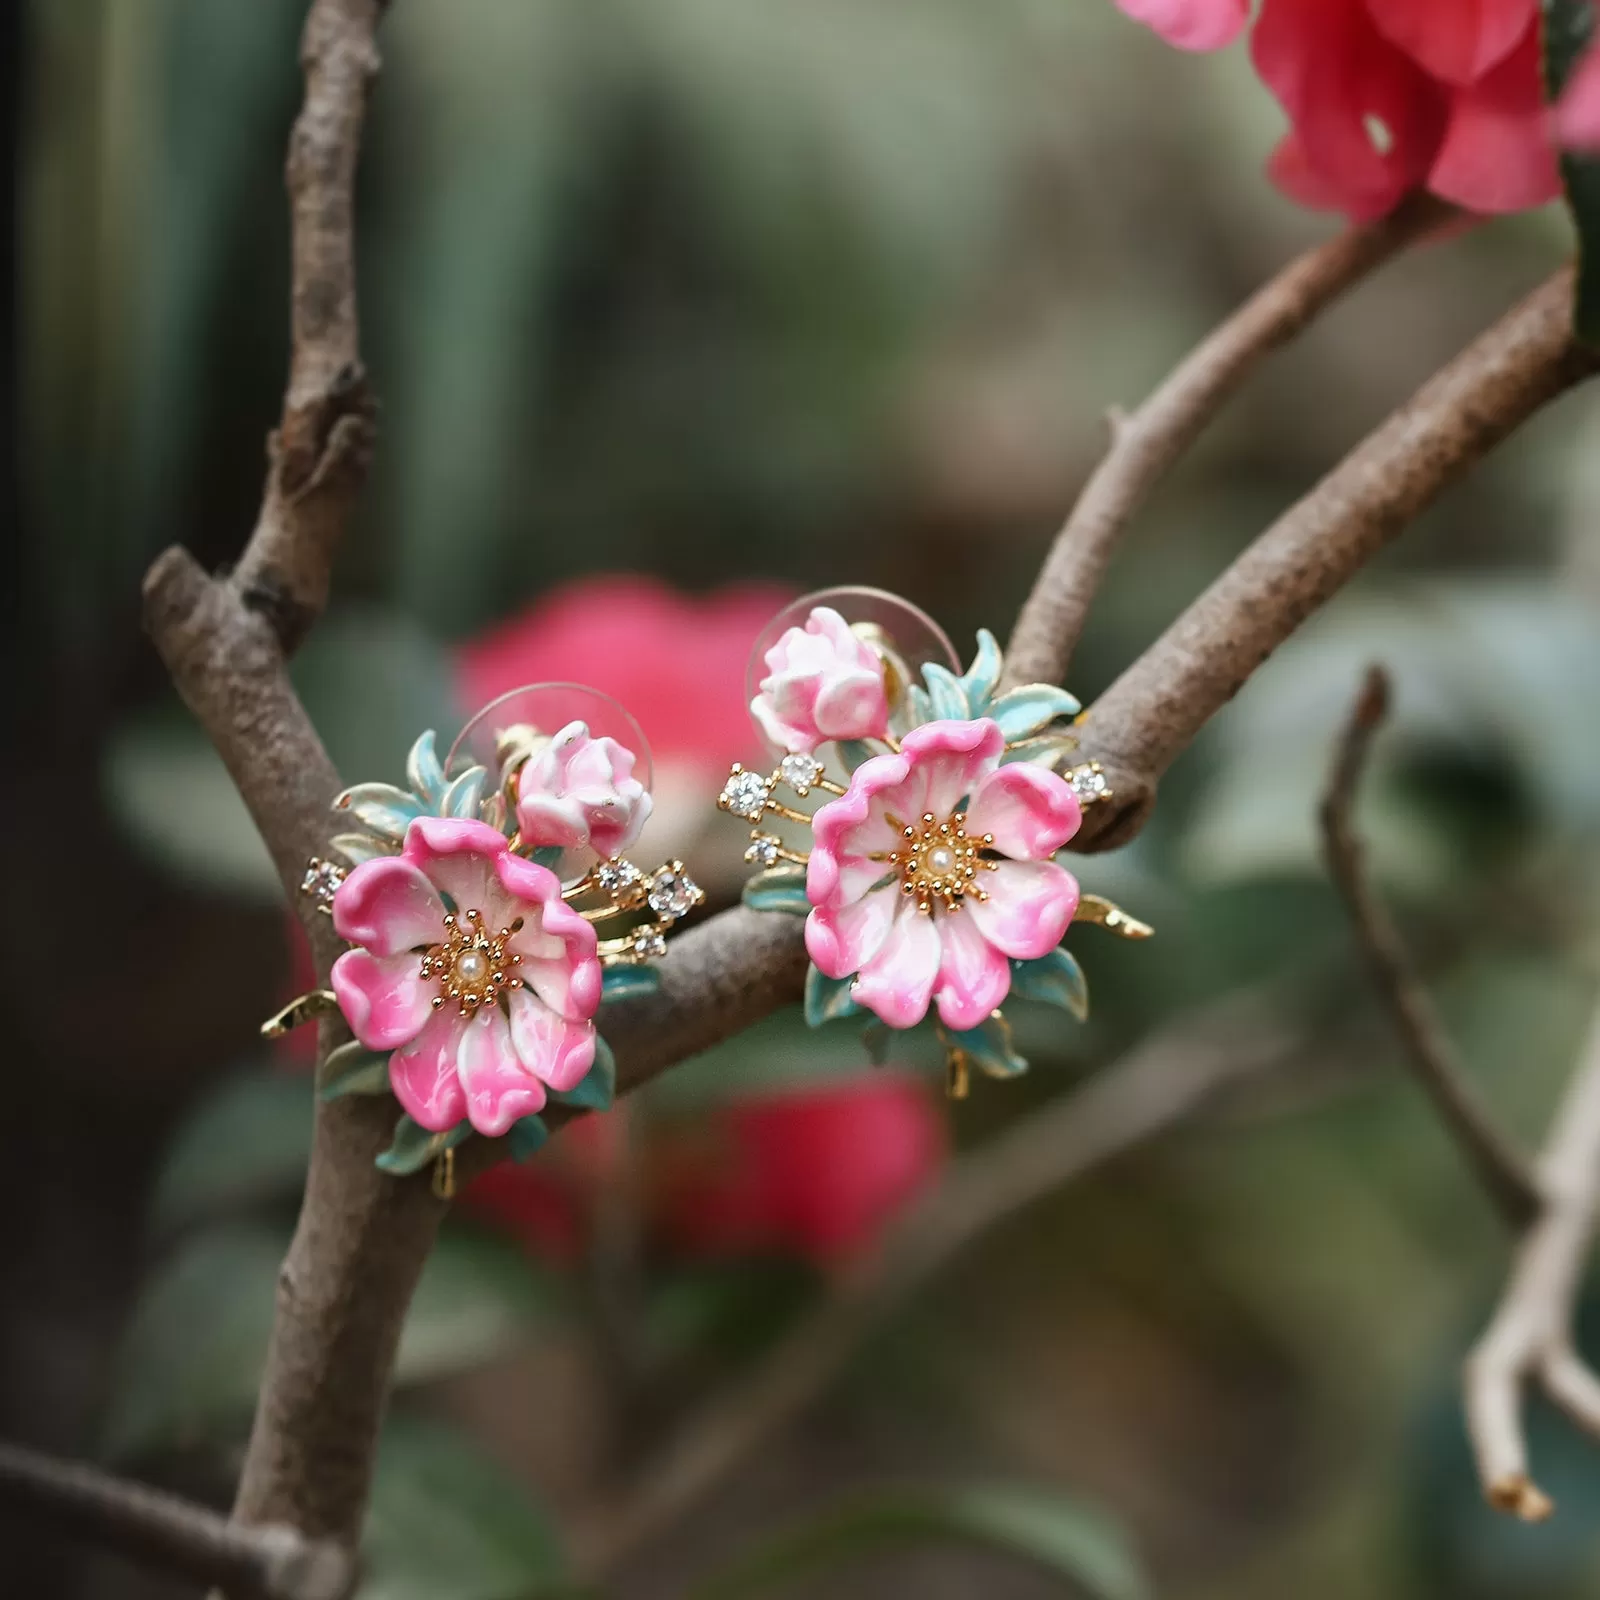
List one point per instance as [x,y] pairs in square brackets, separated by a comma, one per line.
[672,892]
[321,881]
[763,850]
[616,876]
[745,794]
[1089,784]
[649,944]
[800,772]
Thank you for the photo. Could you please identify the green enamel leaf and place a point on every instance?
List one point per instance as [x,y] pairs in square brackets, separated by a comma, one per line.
[1055,978]
[423,771]
[1028,710]
[623,982]
[877,1037]
[827,998]
[526,1138]
[465,795]
[947,696]
[547,855]
[353,1069]
[599,1086]
[381,809]
[990,1049]
[984,673]
[359,847]
[778,889]
[1053,1533]
[918,706]
[852,752]
[415,1148]
[1052,750]
[1569,27]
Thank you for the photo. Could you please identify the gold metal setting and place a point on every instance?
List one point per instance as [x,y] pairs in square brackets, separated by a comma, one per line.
[302,1009]
[472,966]
[1103,913]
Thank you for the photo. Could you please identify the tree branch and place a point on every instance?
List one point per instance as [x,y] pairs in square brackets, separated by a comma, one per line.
[274,1563]
[1161,1082]
[1530,1339]
[1154,710]
[1499,1168]
[1147,442]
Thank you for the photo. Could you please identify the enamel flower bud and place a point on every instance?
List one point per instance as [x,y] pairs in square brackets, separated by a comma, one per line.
[579,790]
[822,682]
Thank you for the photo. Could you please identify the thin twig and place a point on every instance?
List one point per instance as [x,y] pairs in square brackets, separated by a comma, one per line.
[1161,1082]
[1530,1339]
[1154,710]
[1146,442]
[1499,1167]
[175,1535]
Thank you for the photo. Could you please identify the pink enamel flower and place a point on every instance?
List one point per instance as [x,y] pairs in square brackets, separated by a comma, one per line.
[934,870]
[823,682]
[486,997]
[580,790]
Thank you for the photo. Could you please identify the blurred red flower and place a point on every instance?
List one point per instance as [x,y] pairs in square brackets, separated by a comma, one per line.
[1389,96]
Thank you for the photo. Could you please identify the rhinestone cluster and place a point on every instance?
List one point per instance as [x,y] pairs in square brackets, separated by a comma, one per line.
[939,863]
[1089,783]
[745,794]
[472,966]
[321,882]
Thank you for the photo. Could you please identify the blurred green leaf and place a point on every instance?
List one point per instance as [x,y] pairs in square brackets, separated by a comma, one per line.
[448,1523]
[827,998]
[353,1069]
[1569,28]
[190,1361]
[247,1142]
[415,1147]
[1055,978]
[1052,1531]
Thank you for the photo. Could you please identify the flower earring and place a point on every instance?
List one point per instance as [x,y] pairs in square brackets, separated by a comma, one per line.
[473,906]
[929,879]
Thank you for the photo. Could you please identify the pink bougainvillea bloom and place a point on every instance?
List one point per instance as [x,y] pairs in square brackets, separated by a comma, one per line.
[823,682]
[934,869]
[1578,115]
[1385,97]
[580,790]
[485,1003]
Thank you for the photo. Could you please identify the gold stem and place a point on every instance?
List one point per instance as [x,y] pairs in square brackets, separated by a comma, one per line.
[1103,913]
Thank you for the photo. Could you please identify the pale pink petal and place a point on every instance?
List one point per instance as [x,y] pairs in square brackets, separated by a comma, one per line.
[1456,40]
[1191,24]
[458,856]
[385,999]
[897,982]
[550,819]
[551,1047]
[1030,811]
[842,939]
[954,756]
[846,832]
[1498,154]
[974,977]
[852,705]
[558,947]
[423,1074]
[1029,906]
[388,906]
[1578,116]
[499,1088]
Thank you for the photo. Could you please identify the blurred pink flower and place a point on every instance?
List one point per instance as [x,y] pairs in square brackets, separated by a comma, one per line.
[1389,96]
[580,790]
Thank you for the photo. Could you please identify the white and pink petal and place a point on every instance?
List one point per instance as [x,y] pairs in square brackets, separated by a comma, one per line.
[388,905]
[385,999]
[499,1088]
[1029,907]
[555,1049]
[897,982]
[1030,810]
[425,1077]
[974,977]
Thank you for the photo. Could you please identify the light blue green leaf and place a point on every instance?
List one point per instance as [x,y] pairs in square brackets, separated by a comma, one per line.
[852,752]
[353,1069]
[947,696]
[599,1086]
[981,677]
[381,808]
[415,1148]
[1053,1532]
[359,847]
[827,998]
[990,1049]
[1029,709]
[624,981]
[919,707]
[778,889]
[1056,978]
[548,855]
[527,1137]
[465,794]
[423,771]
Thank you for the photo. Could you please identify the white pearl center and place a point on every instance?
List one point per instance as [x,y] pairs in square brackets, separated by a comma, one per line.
[941,860]
[472,966]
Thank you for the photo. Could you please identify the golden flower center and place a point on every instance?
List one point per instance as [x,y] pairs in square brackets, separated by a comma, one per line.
[472,966]
[939,862]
